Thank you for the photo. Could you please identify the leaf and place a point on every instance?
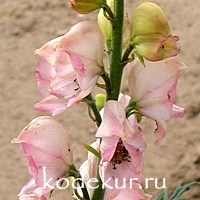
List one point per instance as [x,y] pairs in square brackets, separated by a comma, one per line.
[182,189]
[92,150]
[163,195]
[141,59]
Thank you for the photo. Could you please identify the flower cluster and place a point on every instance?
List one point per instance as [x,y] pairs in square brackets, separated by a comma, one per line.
[69,69]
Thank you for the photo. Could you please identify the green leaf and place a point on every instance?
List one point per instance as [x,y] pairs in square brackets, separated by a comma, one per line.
[141,59]
[92,150]
[182,189]
[163,195]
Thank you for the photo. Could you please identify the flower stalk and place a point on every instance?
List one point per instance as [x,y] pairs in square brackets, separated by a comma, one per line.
[116,70]
[91,103]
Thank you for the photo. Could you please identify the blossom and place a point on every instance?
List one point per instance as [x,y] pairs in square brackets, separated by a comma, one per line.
[150,33]
[69,67]
[153,88]
[46,146]
[121,149]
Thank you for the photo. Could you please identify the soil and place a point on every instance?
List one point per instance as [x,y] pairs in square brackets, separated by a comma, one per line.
[25,25]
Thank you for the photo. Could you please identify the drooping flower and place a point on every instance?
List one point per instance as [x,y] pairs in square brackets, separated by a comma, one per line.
[121,149]
[48,152]
[153,88]
[150,33]
[70,66]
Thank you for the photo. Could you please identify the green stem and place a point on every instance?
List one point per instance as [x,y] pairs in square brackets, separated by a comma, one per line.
[116,50]
[98,192]
[125,58]
[109,14]
[91,102]
[106,79]
[75,173]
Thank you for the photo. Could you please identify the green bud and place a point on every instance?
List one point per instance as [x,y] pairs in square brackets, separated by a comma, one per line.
[86,6]
[100,100]
[104,23]
[150,33]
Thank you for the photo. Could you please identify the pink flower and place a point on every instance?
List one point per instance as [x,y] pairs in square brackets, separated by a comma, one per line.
[121,149]
[70,66]
[48,153]
[153,88]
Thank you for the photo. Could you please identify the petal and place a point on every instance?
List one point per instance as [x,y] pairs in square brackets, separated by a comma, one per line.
[136,138]
[28,192]
[154,75]
[47,51]
[135,193]
[52,104]
[86,70]
[91,46]
[108,147]
[40,135]
[160,131]
[44,74]
[113,120]
[124,99]
[177,111]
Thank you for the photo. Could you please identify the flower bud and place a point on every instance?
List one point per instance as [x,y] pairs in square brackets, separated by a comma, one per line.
[106,26]
[86,6]
[150,33]
[100,100]
[104,23]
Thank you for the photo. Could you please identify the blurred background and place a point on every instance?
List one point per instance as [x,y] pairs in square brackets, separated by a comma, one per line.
[26,25]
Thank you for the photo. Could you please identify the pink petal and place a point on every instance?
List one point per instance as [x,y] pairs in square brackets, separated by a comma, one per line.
[28,192]
[47,51]
[177,111]
[91,46]
[40,135]
[160,131]
[144,80]
[113,120]
[52,104]
[136,193]
[44,74]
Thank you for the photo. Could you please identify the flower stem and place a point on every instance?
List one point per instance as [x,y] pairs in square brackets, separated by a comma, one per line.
[107,81]
[108,12]
[91,102]
[98,192]
[116,49]
[75,173]
[125,58]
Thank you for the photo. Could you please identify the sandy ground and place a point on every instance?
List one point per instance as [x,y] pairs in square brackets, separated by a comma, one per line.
[26,25]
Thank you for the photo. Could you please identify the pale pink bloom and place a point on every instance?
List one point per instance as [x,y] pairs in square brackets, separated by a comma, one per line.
[121,148]
[70,66]
[153,88]
[46,145]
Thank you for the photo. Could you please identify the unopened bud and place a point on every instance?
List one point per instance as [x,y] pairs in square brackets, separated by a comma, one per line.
[100,100]
[150,33]
[86,6]
[104,23]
